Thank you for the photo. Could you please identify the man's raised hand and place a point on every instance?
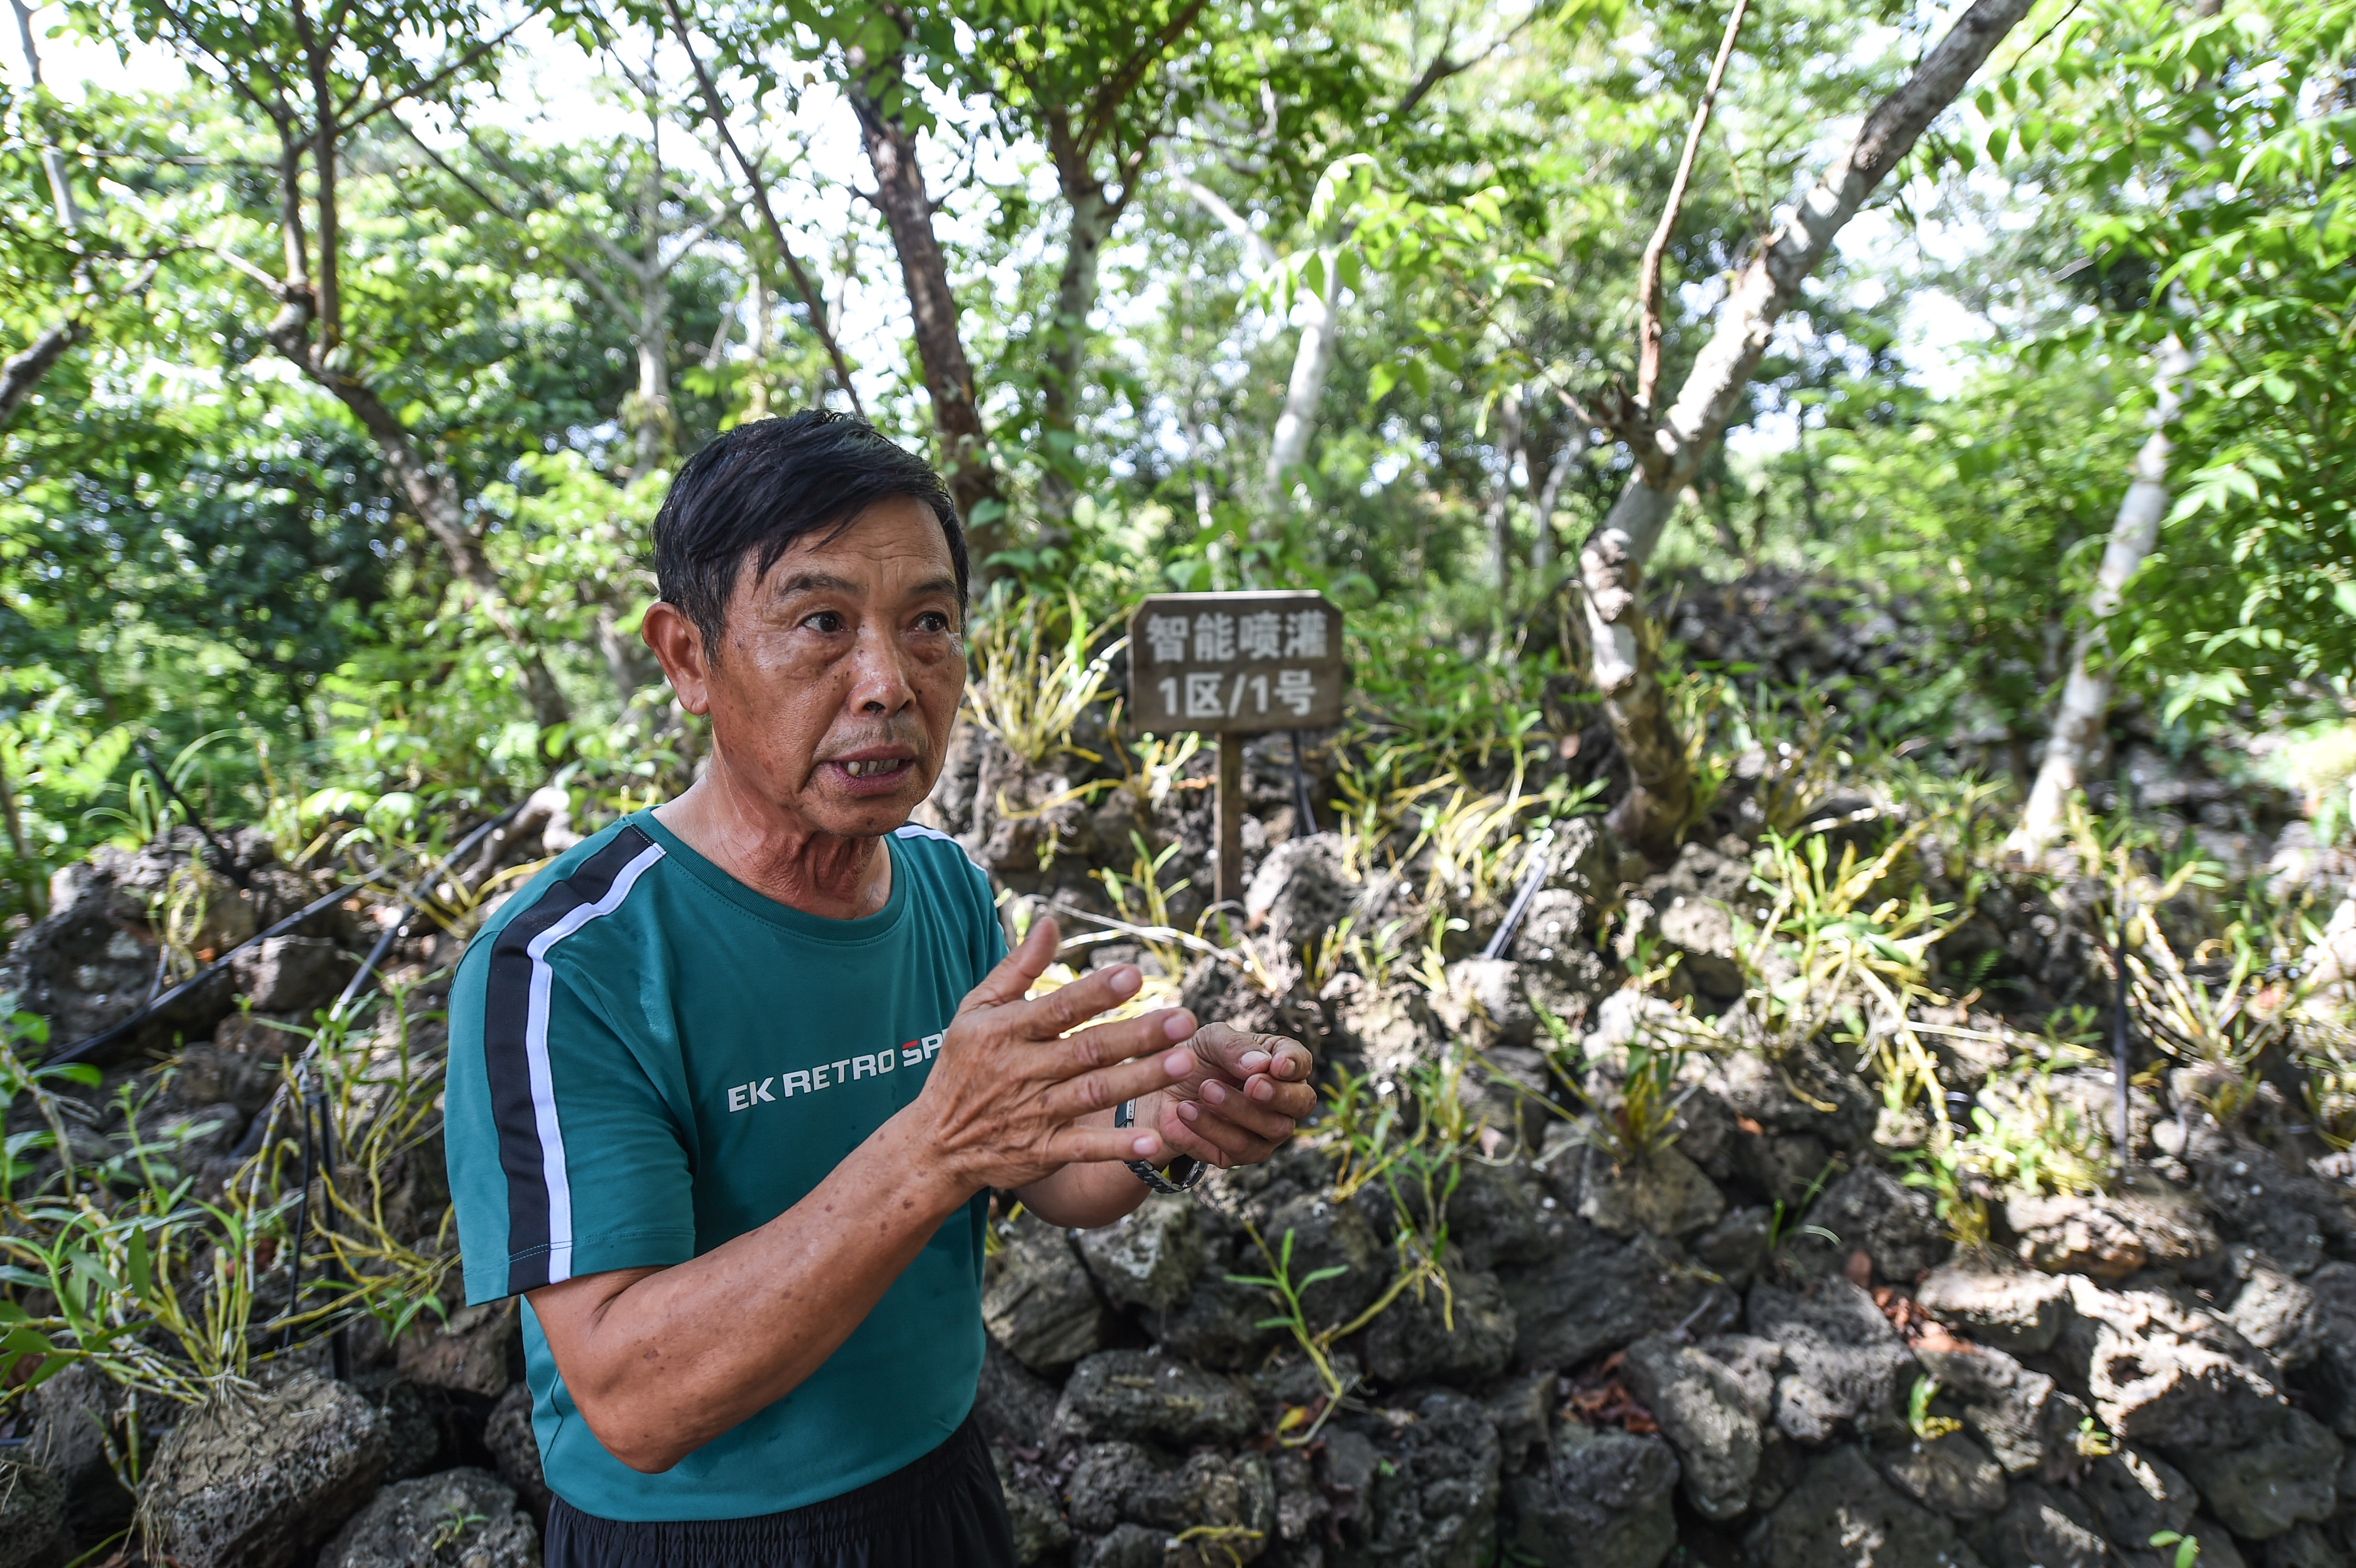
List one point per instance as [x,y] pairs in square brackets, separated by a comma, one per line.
[1010,1084]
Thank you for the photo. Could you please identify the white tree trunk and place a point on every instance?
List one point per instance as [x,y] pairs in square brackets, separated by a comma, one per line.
[1313,355]
[1613,563]
[2086,707]
[1313,359]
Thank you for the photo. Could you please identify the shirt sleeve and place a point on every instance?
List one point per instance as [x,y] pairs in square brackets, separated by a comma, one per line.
[564,1158]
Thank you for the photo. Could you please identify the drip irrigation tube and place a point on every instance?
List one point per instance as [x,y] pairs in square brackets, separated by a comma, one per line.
[260,1128]
[225,862]
[1522,896]
[1300,804]
[82,1048]
[319,1126]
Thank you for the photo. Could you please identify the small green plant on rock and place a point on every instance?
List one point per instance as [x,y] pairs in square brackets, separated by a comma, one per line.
[1294,1319]
[1642,1120]
[1928,1427]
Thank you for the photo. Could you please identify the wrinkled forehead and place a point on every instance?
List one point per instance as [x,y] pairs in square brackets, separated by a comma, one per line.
[894,549]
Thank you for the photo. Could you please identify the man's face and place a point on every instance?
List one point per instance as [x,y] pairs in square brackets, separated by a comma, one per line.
[839,673]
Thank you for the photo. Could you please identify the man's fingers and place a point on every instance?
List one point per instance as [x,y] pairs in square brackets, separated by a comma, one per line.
[1239,1054]
[1111,1042]
[1291,1100]
[1068,1007]
[1019,970]
[1179,1136]
[1074,1145]
[1236,1145]
[1258,1120]
[1108,1086]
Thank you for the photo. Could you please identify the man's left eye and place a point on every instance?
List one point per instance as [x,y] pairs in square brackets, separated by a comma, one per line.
[932,621]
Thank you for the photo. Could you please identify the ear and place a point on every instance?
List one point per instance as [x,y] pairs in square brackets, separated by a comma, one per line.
[678,644]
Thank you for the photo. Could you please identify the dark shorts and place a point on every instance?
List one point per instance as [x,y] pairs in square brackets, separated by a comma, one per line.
[942,1511]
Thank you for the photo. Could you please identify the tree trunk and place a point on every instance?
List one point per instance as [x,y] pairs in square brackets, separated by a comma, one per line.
[1313,359]
[1550,495]
[2086,707]
[1067,340]
[1501,495]
[24,371]
[53,163]
[759,337]
[907,211]
[1660,794]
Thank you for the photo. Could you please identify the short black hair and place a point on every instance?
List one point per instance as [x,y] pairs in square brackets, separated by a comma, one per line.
[766,483]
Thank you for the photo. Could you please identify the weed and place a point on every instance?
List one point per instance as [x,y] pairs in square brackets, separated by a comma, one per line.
[1294,1319]
[1034,676]
[2188,1547]
[1226,1537]
[1928,1427]
[1143,900]
[1940,1169]
[1821,944]
[453,1527]
[1777,1233]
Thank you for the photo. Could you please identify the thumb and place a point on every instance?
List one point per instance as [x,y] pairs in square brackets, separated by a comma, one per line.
[1019,970]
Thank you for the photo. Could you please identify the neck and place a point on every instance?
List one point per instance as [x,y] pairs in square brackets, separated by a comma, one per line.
[777,853]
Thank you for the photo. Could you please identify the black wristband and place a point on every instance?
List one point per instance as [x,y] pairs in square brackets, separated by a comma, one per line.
[1183,1172]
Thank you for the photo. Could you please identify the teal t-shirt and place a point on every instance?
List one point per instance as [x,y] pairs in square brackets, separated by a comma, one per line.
[648,1059]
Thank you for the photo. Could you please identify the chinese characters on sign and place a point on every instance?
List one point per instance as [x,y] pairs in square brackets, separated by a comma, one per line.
[1234,663]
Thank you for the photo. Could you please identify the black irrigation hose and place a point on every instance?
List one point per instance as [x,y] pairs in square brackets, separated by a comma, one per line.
[320,1128]
[1522,896]
[88,1047]
[260,1129]
[1306,812]
[224,860]
[82,1049]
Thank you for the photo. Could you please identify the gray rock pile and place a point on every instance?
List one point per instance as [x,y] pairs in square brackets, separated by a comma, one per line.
[1744,1337]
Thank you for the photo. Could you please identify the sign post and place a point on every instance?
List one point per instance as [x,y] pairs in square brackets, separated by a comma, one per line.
[1232,665]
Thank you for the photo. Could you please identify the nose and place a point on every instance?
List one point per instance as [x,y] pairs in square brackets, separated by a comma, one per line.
[880,687]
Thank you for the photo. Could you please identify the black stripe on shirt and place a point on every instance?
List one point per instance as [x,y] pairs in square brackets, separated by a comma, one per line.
[507,1016]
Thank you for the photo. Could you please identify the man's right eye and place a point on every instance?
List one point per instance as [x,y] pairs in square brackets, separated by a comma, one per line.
[827,622]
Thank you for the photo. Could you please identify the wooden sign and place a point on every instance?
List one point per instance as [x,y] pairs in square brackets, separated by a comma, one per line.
[1235,664]
[1232,665]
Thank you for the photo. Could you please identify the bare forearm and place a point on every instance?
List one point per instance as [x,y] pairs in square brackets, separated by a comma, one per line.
[1082,1196]
[681,1355]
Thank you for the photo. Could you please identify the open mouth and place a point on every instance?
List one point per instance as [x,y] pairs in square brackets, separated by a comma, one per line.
[869,775]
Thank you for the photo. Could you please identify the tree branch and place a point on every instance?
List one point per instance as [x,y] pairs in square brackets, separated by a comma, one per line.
[596,284]
[355,118]
[1106,101]
[24,371]
[1259,254]
[811,299]
[1648,275]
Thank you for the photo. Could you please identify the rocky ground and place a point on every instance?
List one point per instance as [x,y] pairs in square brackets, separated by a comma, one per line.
[1505,1331]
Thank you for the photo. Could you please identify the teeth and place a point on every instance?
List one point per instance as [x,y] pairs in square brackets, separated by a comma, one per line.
[861,770]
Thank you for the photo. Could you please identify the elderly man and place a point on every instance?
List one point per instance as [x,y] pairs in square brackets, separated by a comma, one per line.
[731,1082]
